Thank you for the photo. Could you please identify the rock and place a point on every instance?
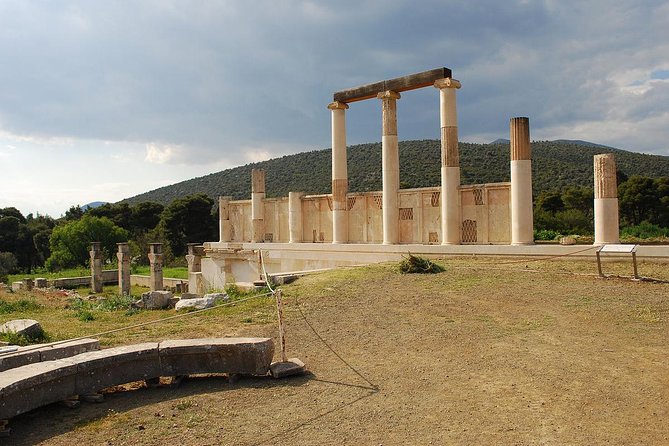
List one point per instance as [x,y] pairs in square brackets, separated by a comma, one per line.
[190,296]
[173,302]
[291,367]
[567,240]
[154,300]
[223,296]
[198,303]
[26,327]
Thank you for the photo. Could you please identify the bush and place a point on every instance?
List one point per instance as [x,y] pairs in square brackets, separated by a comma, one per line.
[644,230]
[415,264]
[546,234]
[8,265]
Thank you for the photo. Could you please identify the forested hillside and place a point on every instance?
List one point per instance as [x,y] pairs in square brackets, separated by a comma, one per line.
[556,165]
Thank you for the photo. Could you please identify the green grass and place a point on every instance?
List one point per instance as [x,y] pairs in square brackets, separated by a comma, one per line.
[72,272]
[178,272]
[21,305]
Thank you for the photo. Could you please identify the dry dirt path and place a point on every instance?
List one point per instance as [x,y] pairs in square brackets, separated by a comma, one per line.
[484,353]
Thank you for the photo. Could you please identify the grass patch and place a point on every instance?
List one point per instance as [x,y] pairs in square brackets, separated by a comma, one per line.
[18,306]
[21,339]
[174,272]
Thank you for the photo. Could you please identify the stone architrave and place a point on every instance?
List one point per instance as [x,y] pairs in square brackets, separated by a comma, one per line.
[96,267]
[295,216]
[390,163]
[522,216]
[339,173]
[224,218]
[450,162]
[123,256]
[156,262]
[194,259]
[257,205]
[607,228]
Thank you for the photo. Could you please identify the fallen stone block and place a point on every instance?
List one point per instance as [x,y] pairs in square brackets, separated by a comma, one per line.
[291,367]
[113,366]
[154,300]
[26,327]
[34,385]
[190,296]
[248,356]
[46,352]
[198,303]
[41,282]
[223,296]
[17,286]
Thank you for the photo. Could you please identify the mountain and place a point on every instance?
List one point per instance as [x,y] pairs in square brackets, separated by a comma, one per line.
[500,141]
[556,164]
[582,143]
[92,205]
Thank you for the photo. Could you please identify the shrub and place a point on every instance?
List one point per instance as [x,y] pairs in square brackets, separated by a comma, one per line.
[415,264]
[546,234]
[645,230]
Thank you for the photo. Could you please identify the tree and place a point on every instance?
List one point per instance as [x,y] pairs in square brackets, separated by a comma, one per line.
[145,216]
[74,213]
[8,265]
[550,201]
[579,198]
[188,220]
[70,242]
[638,199]
[119,213]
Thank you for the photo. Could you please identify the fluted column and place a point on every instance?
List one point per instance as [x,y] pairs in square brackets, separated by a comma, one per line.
[339,173]
[224,218]
[257,205]
[156,266]
[123,256]
[450,162]
[295,216]
[606,200]
[96,267]
[390,163]
[522,217]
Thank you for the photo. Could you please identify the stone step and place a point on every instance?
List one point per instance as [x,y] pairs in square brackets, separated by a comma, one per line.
[46,352]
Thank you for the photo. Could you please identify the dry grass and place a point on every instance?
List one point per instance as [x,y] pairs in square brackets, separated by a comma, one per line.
[487,352]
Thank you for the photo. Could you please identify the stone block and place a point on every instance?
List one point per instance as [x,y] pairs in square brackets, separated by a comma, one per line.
[199,303]
[223,296]
[17,286]
[113,366]
[46,352]
[41,282]
[291,367]
[190,296]
[567,240]
[26,327]
[155,300]
[248,356]
[34,385]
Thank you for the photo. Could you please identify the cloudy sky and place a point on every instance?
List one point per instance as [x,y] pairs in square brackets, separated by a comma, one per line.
[106,100]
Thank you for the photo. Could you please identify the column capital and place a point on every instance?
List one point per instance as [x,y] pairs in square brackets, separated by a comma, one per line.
[388,94]
[447,82]
[336,105]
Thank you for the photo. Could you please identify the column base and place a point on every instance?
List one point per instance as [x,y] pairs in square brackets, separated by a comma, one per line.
[522,243]
[450,243]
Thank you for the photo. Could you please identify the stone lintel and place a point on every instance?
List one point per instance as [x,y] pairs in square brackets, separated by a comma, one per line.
[404,83]
[447,83]
[336,105]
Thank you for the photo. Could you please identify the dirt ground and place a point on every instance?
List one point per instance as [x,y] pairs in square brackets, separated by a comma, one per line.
[488,352]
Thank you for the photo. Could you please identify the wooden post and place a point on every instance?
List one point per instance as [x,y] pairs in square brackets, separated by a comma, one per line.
[282,339]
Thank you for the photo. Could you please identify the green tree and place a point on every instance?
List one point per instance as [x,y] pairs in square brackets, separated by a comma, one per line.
[145,216]
[70,242]
[74,213]
[579,198]
[638,199]
[8,265]
[188,220]
[550,201]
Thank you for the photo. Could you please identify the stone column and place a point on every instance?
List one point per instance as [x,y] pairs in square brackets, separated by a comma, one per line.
[194,259]
[522,216]
[96,267]
[123,256]
[295,216]
[450,162]
[339,173]
[156,261]
[390,162]
[224,218]
[606,200]
[257,205]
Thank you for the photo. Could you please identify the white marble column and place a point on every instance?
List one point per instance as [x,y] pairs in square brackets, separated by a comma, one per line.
[606,200]
[339,173]
[390,163]
[522,216]
[224,218]
[295,216]
[450,162]
[257,205]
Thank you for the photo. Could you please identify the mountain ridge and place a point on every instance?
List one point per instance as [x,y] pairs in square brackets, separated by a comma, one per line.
[556,165]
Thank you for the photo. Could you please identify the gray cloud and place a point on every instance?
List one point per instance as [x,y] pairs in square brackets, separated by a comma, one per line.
[216,78]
